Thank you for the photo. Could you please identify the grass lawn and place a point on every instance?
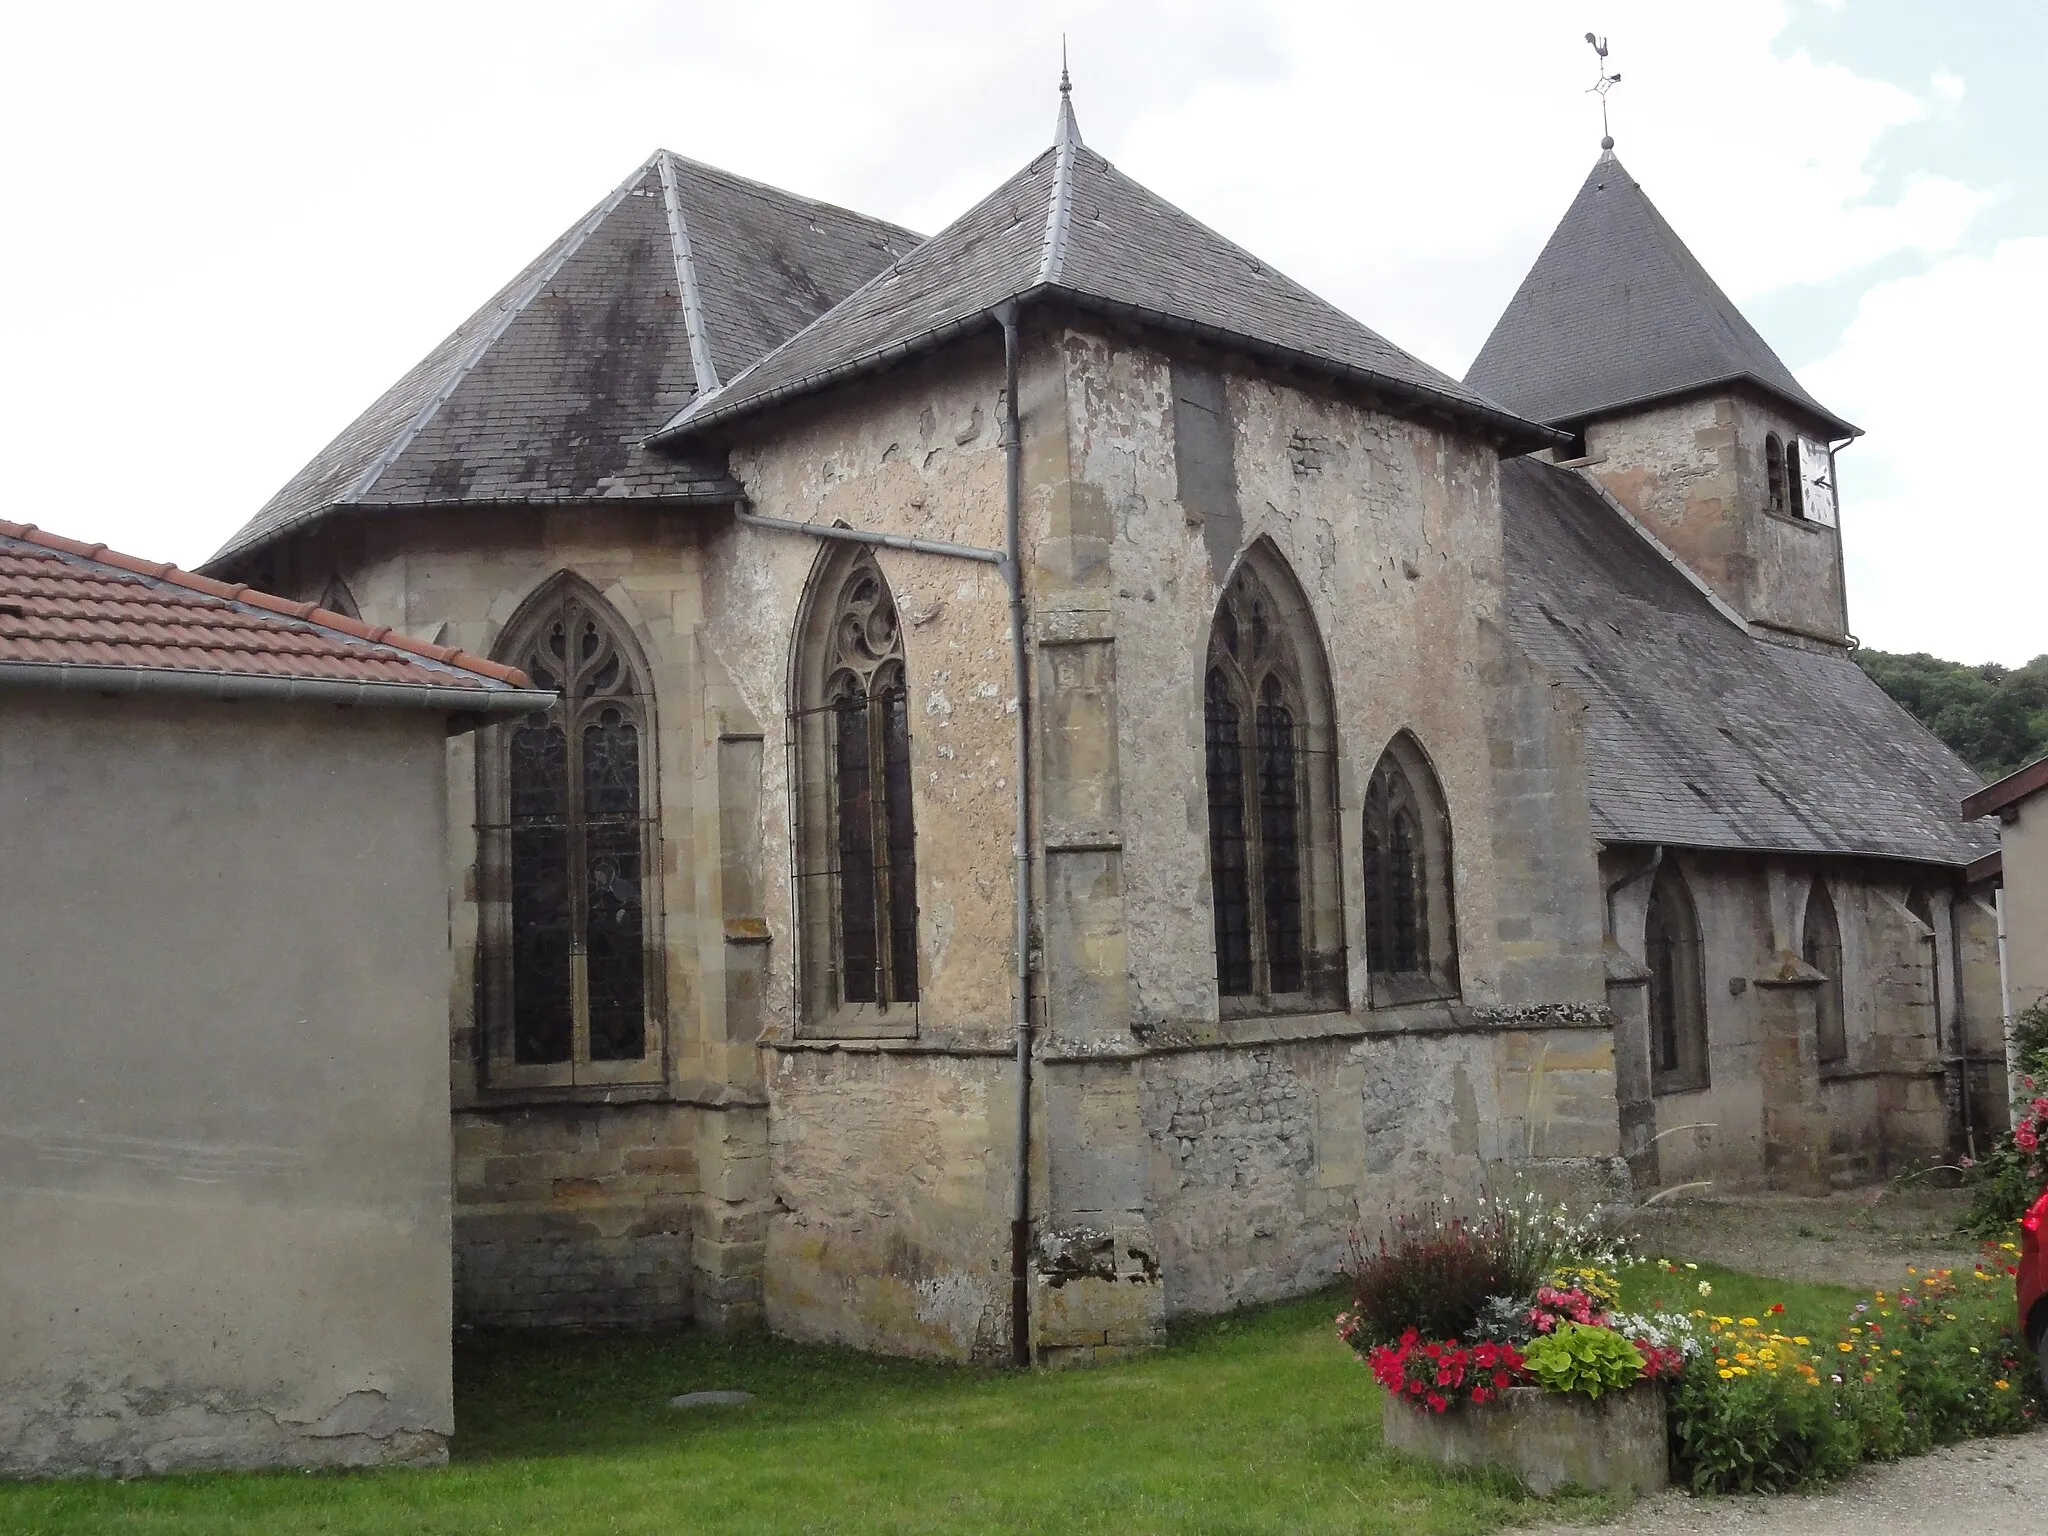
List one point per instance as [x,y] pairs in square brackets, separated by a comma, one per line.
[1259,1422]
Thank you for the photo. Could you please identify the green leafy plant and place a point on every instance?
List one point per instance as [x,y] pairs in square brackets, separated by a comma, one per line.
[2008,1178]
[1582,1357]
[1758,1431]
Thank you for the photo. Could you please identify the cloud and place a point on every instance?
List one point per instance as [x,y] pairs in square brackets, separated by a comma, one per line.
[244,220]
[1945,514]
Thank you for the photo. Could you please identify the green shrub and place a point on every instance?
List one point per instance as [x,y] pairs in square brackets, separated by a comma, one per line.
[1432,1275]
[1963,1369]
[2008,1178]
[1937,1360]
[1582,1357]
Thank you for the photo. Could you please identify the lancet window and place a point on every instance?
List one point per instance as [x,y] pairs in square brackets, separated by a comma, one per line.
[1774,470]
[567,839]
[858,835]
[1411,936]
[1270,771]
[1678,1002]
[1821,948]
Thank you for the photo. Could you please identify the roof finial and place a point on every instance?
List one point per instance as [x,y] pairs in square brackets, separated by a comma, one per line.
[1602,84]
[1069,131]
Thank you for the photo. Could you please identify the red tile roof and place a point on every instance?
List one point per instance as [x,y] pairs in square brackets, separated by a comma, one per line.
[69,605]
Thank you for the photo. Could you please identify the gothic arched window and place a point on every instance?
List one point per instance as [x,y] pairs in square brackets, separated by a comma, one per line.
[1267,757]
[1795,484]
[567,840]
[1821,947]
[856,829]
[1774,470]
[1411,939]
[1678,998]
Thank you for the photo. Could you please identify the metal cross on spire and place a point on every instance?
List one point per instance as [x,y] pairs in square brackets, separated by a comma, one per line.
[1602,84]
[1066,85]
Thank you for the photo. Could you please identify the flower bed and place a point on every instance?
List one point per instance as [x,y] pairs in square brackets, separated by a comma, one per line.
[1500,1341]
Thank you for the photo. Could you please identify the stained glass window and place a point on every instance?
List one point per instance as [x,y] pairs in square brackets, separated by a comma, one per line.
[1272,824]
[1229,876]
[565,833]
[857,829]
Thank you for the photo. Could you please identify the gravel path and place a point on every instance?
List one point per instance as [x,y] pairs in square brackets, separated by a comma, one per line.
[1984,1488]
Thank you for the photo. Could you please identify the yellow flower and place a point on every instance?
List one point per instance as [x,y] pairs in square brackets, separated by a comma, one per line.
[1740,1371]
[2001,1385]
[1695,1266]
[1800,1338]
[1846,1348]
[1726,1374]
[1749,1322]
[1895,1353]
[1724,1319]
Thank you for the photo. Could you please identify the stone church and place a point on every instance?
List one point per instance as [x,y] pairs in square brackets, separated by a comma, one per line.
[1083,775]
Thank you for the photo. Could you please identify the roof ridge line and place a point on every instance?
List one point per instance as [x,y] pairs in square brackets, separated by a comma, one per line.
[1720,604]
[797,197]
[1059,206]
[701,364]
[514,308]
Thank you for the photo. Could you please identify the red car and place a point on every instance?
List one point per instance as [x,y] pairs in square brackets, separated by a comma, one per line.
[2033,1281]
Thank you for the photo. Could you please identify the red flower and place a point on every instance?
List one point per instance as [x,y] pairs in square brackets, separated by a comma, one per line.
[1777,1307]
[1437,1404]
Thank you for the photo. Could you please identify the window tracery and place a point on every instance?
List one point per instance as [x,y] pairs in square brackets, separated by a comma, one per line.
[1410,926]
[1269,771]
[858,838]
[565,840]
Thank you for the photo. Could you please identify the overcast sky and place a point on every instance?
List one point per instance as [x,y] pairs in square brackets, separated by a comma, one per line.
[235,224]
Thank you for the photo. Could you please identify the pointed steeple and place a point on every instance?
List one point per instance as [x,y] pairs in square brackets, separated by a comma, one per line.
[1066,132]
[1617,313]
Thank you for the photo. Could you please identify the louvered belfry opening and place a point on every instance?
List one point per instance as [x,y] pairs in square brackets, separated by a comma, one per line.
[566,841]
[1270,769]
[857,847]
[1411,940]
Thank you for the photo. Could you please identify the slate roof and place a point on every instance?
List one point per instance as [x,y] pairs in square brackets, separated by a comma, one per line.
[680,278]
[1617,313]
[1072,226]
[1703,736]
[76,607]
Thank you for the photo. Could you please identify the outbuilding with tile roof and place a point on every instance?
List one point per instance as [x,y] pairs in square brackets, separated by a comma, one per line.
[224,1133]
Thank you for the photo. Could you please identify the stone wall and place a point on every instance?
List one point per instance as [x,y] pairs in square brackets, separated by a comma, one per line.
[1771,1112]
[632,1203]
[1182,1160]
[1693,470]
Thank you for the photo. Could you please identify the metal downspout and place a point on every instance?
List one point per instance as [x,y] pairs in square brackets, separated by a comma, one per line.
[2012,1054]
[1013,573]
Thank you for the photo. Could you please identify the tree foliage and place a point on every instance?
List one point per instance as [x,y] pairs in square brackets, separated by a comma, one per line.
[1994,718]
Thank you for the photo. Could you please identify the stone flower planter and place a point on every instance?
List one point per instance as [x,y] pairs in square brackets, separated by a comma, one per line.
[1547,1439]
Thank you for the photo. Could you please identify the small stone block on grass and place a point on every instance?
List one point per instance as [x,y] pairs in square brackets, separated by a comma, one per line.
[710,1399]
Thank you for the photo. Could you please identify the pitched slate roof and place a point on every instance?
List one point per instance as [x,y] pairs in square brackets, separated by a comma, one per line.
[1703,736]
[82,616]
[678,279]
[1617,313]
[1072,226]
